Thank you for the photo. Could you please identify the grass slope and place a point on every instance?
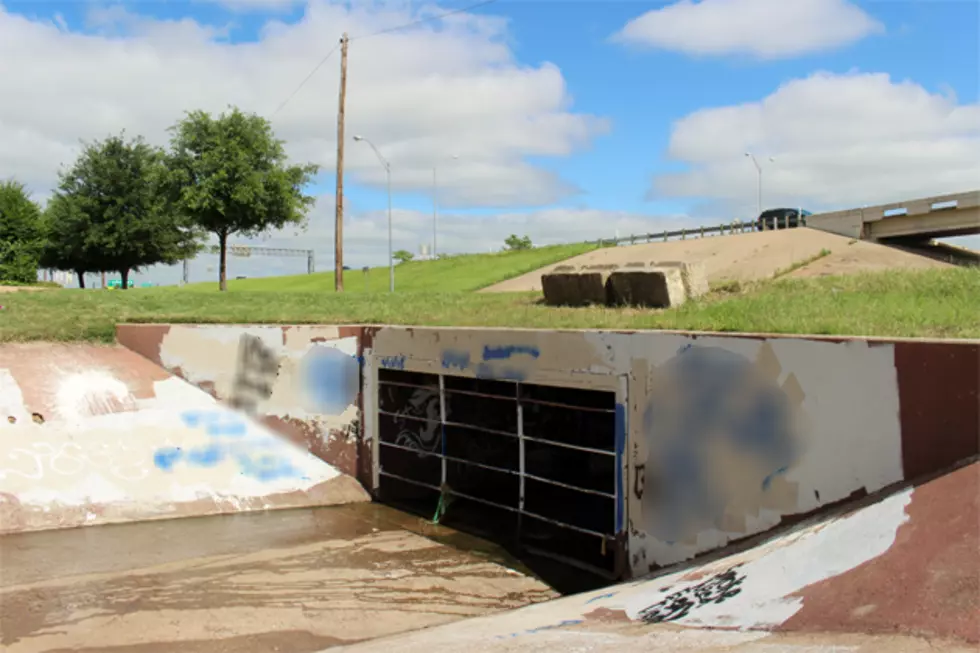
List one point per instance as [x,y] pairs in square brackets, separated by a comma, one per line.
[462,273]
[933,303]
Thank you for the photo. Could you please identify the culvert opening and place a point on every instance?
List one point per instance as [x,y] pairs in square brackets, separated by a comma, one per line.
[531,467]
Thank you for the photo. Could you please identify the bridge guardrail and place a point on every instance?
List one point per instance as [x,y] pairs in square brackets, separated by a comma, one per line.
[728,228]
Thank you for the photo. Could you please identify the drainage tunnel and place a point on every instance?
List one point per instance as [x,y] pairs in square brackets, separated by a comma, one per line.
[533,467]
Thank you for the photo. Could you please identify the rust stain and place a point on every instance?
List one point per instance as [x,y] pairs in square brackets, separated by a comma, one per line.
[939,404]
[144,339]
[927,583]
[606,615]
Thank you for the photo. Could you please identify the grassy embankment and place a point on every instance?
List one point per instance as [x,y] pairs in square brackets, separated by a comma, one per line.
[933,303]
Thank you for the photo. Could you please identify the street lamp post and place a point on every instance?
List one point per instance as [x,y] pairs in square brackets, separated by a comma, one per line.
[435,207]
[759,170]
[387,167]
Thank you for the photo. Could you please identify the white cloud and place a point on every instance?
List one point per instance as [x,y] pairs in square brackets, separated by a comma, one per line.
[839,141]
[440,88]
[761,28]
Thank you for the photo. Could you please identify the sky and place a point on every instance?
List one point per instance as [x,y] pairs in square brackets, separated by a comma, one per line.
[562,120]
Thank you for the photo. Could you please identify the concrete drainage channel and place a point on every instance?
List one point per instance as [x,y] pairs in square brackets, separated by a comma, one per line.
[595,456]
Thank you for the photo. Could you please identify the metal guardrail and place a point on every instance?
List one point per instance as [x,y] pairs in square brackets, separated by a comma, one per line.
[725,229]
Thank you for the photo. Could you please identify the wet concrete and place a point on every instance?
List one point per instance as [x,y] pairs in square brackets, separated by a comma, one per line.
[291,581]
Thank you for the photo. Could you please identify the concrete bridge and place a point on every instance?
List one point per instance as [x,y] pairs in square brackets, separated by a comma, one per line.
[943,216]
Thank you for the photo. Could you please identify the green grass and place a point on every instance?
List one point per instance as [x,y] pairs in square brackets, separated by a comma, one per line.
[460,273]
[932,303]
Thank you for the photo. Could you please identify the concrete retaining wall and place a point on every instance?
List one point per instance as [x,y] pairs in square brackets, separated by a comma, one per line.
[94,435]
[720,436]
[729,436]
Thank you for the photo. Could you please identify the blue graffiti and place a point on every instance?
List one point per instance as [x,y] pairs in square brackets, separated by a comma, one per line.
[331,379]
[166,457]
[716,400]
[393,362]
[507,351]
[452,358]
[219,425]
[215,423]
[608,595]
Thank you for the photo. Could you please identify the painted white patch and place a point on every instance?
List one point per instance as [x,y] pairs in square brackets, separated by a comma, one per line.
[82,394]
[775,571]
[11,400]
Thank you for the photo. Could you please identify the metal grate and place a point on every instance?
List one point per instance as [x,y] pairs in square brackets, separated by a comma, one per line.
[538,461]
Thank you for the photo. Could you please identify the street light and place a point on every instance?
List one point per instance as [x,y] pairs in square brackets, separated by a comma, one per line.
[387,167]
[759,169]
[435,206]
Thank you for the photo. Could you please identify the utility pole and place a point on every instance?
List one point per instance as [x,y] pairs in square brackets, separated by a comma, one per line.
[338,232]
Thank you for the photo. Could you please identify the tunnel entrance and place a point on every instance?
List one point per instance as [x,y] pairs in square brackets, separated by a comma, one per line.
[534,468]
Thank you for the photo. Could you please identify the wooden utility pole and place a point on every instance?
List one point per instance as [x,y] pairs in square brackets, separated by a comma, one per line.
[338,232]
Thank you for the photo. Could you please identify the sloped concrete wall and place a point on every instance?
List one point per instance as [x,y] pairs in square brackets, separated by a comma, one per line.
[94,435]
[729,436]
[300,381]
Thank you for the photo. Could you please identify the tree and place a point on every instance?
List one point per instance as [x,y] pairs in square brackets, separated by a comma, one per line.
[513,242]
[403,256]
[229,175]
[21,233]
[111,212]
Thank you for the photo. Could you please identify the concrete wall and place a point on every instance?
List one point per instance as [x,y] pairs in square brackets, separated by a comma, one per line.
[301,381]
[723,436]
[92,435]
[728,436]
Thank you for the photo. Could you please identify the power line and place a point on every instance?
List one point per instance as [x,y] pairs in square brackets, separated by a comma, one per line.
[420,21]
[387,30]
[308,77]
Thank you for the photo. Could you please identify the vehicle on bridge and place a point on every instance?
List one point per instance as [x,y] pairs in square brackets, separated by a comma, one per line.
[781,219]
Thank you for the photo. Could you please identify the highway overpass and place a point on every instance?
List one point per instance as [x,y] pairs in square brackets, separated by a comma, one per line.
[943,216]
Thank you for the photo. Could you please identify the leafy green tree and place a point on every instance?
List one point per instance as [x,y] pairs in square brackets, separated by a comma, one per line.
[513,242]
[111,212]
[230,175]
[403,256]
[21,233]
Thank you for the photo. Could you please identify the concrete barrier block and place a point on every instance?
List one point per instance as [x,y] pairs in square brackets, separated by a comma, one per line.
[655,288]
[560,288]
[693,274]
[593,283]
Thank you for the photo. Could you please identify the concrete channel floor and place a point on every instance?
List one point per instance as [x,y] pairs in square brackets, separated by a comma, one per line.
[291,581]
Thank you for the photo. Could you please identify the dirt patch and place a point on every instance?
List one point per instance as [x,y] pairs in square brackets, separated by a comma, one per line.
[748,257]
[4,289]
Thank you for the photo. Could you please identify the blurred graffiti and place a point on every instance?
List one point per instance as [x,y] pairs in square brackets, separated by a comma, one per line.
[255,374]
[717,589]
[721,434]
[331,378]
[256,457]
[417,417]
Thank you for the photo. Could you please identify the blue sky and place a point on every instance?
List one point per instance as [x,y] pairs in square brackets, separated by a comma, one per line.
[643,133]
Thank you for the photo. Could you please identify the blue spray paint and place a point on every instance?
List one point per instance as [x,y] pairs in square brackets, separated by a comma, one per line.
[620,427]
[452,358]
[166,457]
[490,371]
[507,351]
[393,362]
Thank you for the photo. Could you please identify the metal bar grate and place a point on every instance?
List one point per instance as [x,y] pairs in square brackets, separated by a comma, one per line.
[541,453]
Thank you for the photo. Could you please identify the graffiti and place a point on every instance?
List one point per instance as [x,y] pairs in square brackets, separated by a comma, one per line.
[331,379]
[499,353]
[393,362]
[258,367]
[121,460]
[422,431]
[459,360]
[489,367]
[678,605]
[721,435]
[254,457]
